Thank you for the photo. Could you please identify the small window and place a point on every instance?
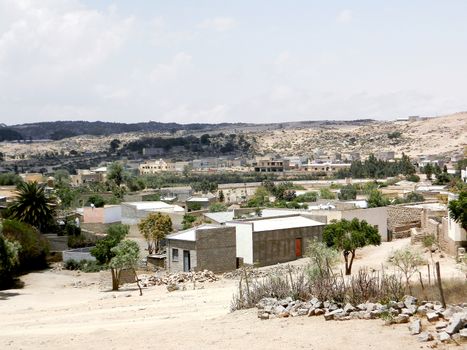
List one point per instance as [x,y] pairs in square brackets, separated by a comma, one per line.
[174,254]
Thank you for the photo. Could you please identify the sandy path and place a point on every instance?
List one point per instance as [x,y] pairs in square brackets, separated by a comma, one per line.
[50,313]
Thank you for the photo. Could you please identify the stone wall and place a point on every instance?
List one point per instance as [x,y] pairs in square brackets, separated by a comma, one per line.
[278,246]
[400,216]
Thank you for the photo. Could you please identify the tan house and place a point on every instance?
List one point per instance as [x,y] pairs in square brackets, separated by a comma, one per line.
[155,166]
[325,168]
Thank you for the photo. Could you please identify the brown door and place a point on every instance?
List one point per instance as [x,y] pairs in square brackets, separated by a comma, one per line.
[298,247]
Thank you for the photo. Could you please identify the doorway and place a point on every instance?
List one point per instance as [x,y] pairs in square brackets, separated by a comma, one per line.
[298,247]
[186,261]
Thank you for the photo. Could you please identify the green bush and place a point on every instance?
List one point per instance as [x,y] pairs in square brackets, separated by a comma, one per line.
[307,197]
[325,193]
[413,178]
[97,200]
[34,247]
[84,265]
[79,241]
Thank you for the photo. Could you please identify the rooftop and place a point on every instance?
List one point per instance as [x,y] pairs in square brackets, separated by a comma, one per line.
[220,217]
[281,222]
[190,234]
[156,206]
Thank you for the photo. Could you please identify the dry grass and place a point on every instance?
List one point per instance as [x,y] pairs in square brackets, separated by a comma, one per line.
[455,291]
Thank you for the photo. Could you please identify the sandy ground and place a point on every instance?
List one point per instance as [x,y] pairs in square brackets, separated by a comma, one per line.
[67,310]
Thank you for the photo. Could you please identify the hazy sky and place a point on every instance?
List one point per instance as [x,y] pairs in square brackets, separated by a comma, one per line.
[236,60]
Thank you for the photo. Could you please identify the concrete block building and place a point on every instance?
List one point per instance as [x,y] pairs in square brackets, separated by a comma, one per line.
[206,247]
[268,241]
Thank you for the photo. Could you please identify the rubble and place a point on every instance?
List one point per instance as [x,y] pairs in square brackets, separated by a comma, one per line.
[173,279]
[451,322]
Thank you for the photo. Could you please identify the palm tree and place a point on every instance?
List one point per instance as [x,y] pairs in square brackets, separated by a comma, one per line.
[32,205]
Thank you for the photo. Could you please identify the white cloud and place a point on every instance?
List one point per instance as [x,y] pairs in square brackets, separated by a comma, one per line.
[219,24]
[282,58]
[42,37]
[345,16]
[171,70]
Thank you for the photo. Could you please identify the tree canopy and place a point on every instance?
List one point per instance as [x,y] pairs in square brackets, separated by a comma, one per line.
[103,249]
[347,236]
[125,256]
[32,205]
[154,228]
[458,209]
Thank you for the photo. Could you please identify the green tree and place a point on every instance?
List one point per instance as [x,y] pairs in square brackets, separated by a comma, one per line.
[9,259]
[348,236]
[34,246]
[125,256]
[347,192]
[31,205]
[103,249]
[188,221]
[458,209]
[307,197]
[217,207]
[428,170]
[326,193]
[114,145]
[97,200]
[116,173]
[260,198]
[62,177]
[154,228]
[221,196]
[376,199]
[413,197]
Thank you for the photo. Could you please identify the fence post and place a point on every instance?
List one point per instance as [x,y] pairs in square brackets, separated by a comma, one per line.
[440,287]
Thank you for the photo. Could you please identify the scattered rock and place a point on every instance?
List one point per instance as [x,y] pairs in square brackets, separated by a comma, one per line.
[402,318]
[425,336]
[444,337]
[415,327]
[432,316]
[455,324]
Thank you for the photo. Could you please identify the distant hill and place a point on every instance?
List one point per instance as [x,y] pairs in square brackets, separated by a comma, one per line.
[63,129]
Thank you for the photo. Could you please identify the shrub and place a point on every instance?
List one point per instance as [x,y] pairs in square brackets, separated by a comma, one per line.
[8,260]
[79,241]
[428,241]
[347,193]
[307,197]
[84,265]
[413,178]
[34,247]
[97,200]
[325,193]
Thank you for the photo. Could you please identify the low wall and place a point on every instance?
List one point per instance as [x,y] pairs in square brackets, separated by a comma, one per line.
[78,254]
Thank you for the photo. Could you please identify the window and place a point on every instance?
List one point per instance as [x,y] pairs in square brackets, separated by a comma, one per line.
[174,254]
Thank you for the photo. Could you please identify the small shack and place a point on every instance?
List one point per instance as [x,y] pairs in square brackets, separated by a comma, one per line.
[206,247]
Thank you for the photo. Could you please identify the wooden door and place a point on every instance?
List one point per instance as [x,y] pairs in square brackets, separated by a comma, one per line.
[298,247]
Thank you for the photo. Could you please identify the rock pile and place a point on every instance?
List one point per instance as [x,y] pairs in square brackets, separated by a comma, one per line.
[177,278]
[450,322]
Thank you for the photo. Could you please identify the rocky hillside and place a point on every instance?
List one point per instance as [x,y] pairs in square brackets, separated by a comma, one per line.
[439,135]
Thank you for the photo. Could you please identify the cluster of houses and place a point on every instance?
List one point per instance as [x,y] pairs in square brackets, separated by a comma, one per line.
[251,236]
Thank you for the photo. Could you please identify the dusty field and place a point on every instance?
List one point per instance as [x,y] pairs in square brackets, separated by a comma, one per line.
[67,310]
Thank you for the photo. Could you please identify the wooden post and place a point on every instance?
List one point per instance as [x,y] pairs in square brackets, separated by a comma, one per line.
[440,287]
[429,275]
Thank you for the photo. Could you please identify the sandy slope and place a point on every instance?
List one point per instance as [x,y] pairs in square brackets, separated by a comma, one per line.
[66,310]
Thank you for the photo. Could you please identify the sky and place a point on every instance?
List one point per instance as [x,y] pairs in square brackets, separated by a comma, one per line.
[199,61]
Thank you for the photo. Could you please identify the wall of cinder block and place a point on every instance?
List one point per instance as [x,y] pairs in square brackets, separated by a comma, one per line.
[216,249]
[277,246]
